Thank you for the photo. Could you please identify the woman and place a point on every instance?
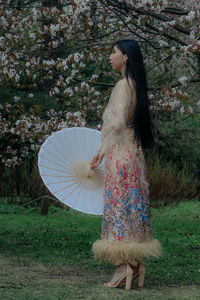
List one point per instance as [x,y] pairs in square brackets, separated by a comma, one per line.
[126,236]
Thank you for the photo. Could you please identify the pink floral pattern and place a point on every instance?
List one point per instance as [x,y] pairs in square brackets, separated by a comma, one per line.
[126,216]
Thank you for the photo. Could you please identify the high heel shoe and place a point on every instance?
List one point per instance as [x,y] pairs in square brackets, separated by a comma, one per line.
[140,274]
[128,277]
[138,271]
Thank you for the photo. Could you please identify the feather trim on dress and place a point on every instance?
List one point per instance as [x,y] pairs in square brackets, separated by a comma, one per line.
[117,252]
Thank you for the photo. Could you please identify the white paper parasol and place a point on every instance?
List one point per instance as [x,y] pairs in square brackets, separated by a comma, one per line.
[63,162]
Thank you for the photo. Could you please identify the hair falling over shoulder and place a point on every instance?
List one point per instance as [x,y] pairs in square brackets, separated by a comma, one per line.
[135,70]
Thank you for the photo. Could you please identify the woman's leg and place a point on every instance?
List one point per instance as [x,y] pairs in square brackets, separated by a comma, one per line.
[122,272]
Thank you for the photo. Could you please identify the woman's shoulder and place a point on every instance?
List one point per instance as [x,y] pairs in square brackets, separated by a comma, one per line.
[126,84]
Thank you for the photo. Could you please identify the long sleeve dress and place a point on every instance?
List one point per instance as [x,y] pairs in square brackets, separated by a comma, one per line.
[126,234]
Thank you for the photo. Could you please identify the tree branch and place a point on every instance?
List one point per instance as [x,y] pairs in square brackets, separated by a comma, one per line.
[134,32]
[130,8]
[176,11]
[174,85]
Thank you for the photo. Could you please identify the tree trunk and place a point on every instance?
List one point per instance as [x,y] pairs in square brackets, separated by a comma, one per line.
[44,209]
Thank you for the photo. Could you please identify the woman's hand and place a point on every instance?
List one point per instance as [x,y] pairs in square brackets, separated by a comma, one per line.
[96,161]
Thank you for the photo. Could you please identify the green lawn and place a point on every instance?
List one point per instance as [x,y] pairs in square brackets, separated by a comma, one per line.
[49,257]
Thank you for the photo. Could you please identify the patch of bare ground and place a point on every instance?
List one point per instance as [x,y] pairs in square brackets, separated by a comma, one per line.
[38,281]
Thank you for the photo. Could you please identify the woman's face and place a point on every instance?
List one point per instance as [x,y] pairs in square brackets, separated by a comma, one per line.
[118,59]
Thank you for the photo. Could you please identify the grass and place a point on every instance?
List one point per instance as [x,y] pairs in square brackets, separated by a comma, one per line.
[49,257]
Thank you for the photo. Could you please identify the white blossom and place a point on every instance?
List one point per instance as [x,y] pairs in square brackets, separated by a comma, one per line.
[190,16]
[16,98]
[68,115]
[151,96]
[68,80]
[183,80]
[190,109]
[55,43]
[73,73]
[94,76]
[69,91]
[77,114]
[173,49]
[32,35]
[84,85]
[163,43]
[82,65]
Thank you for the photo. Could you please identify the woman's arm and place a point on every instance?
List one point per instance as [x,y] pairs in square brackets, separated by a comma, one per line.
[121,101]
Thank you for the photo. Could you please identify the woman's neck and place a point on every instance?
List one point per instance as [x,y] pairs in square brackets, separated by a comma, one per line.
[123,71]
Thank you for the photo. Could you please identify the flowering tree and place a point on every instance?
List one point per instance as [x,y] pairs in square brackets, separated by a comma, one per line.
[59,49]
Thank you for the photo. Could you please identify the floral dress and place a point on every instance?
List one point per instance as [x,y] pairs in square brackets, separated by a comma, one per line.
[126,234]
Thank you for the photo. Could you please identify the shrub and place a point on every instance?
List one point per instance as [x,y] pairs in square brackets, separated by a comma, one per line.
[168,181]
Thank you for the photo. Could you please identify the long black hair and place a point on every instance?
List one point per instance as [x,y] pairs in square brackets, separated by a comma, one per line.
[135,70]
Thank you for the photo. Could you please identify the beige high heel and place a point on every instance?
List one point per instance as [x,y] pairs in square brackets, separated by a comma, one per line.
[128,277]
[141,275]
[138,271]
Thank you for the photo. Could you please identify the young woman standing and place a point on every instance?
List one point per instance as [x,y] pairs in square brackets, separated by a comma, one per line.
[126,235]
